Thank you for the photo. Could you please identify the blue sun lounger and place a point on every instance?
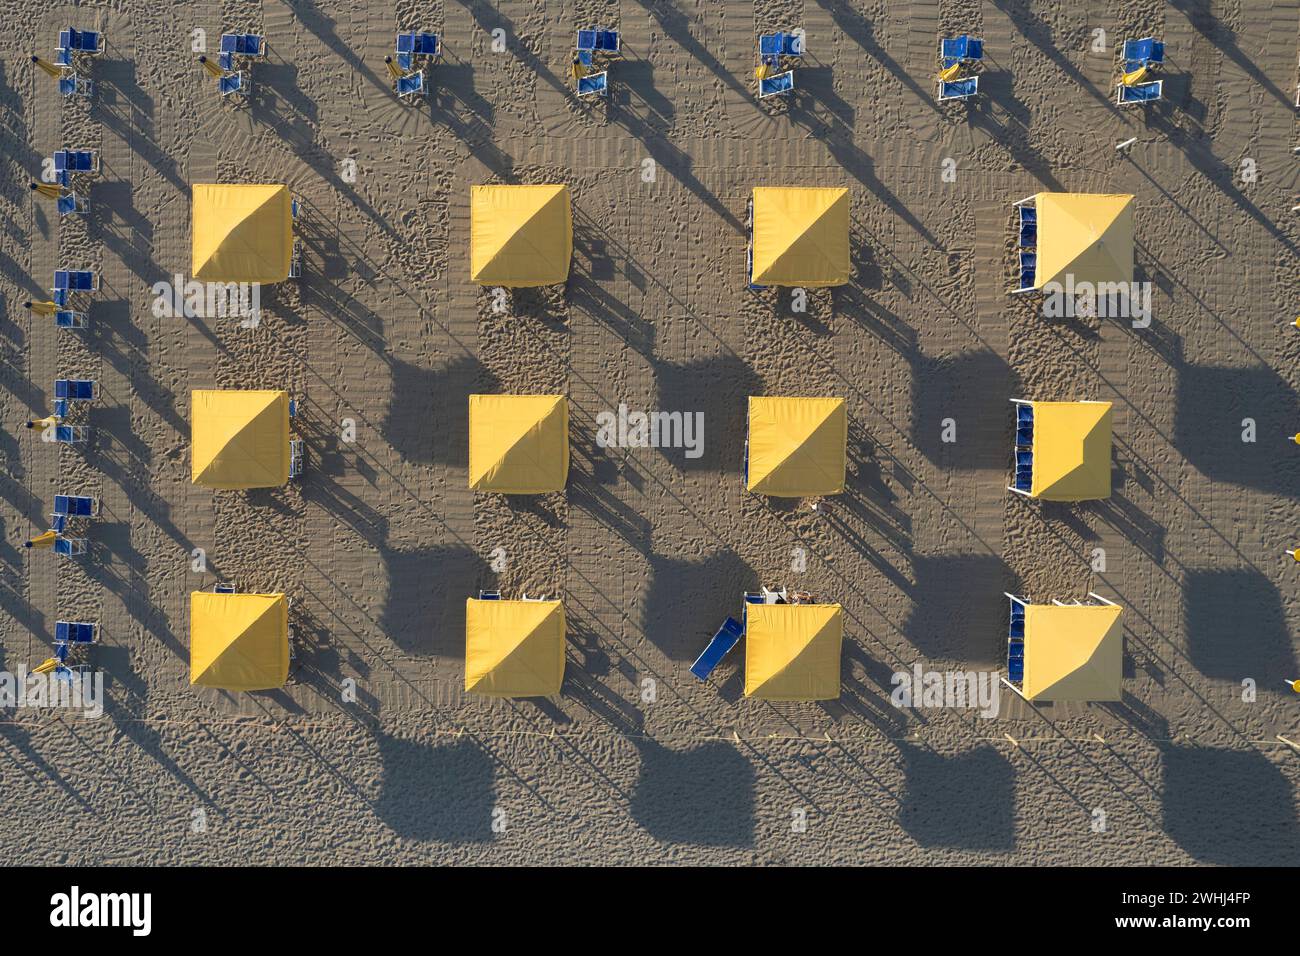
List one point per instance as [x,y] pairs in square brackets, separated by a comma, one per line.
[75,280]
[598,41]
[72,162]
[75,389]
[1028,227]
[776,85]
[962,49]
[774,45]
[71,434]
[243,44]
[69,319]
[1016,642]
[1139,92]
[1024,424]
[489,595]
[1028,267]
[89,42]
[72,204]
[1145,52]
[69,547]
[231,83]
[593,84]
[75,632]
[411,45]
[727,637]
[964,88]
[74,85]
[412,84]
[76,506]
[1024,470]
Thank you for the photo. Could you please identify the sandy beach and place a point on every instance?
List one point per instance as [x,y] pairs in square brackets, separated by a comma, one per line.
[373,753]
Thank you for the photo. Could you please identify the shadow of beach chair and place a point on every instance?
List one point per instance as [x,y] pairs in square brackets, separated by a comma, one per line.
[723,641]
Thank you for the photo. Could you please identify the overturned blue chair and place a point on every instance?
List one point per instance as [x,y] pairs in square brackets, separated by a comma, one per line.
[593,84]
[961,89]
[1139,92]
[727,637]
[962,49]
[1145,52]
[776,85]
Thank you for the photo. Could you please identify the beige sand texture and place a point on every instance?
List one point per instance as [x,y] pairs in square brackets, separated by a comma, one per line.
[381,541]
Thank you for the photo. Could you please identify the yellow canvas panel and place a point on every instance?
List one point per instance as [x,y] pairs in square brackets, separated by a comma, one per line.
[240,439]
[1086,235]
[518,444]
[1073,652]
[792,651]
[797,446]
[514,648]
[1072,451]
[520,235]
[239,641]
[241,233]
[801,236]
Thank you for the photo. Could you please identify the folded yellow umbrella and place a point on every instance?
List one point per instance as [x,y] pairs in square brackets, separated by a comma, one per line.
[48,67]
[49,190]
[393,70]
[45,540]
[42,308]
[211,67]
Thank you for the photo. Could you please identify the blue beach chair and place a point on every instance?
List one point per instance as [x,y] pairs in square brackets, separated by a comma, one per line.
[962,49]
[1028,227]
[1139,92]
[76,506]
[962,89]
[727,637]
[774,45]
[72,162]
[71,434]
[489,595]
[1015,661]
[776,85]
[86,42]
[418,44]
[75,632]
[410,85]
[1145,52]
[598,41]
[243,44]
[76,280]
[74,85]
[1028,267]
[72,204]
[75,389]
[223,589]
[69,547]
[232,83]
[62,57]
[593,84]
[1024,471]
[1024,424]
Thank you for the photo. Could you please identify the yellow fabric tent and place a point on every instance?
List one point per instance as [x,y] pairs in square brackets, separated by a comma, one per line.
[241,233]
[520,235]
[240,438]
[797,446]
[239,641]
[518,444]
[792,651]
[514,648]
[1074,652]
[1085,235]
[801,236]
[1072,450]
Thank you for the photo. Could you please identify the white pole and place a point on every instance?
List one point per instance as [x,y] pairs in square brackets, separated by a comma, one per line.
[1127,143]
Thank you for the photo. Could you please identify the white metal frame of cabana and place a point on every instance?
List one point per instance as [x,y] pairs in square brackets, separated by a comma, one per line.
[1023,602]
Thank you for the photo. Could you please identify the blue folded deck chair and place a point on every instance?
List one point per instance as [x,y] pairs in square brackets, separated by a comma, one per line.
[964,88]
[1139,92]
[1024,470]
[89,42]
[75,632]
[1144,52]
[75,280]
[75,389]
[593,84]
[1024,424]
[412,84]
[1017,628]
[418,44]
[1028,266]
[962,49]
[776,85]
[74,85]
[1028,227]
[598,40]
[242,44]
[773,45]
[727,637]
[76,506]
[71,434]
[1015,661]
[69,547]
[231,83]
[72,204]
[69,319]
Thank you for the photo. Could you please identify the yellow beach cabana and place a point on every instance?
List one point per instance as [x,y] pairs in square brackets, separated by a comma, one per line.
[1080,237]
[241,233]
[1072,652]
[792,651]
[518,444]
[514,648]
[1069,450]
[800,236]
[240,438]
[520,235]
[239,641]
[797,447]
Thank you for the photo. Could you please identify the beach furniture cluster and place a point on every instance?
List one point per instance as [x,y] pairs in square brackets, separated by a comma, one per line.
[406,65]
[72,168]
[593,52]
[233,64]
[73,57]
[778,56]
[959,58]
[1138,62]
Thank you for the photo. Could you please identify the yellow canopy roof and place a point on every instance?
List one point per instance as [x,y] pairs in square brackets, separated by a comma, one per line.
[1075,652]
[801,236]
[239,641]
[514,648]
[520,235]
[1086,235]
[1071,451]
[241,233]
[240,438]
[518,444]
[792,651]
[797,446]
